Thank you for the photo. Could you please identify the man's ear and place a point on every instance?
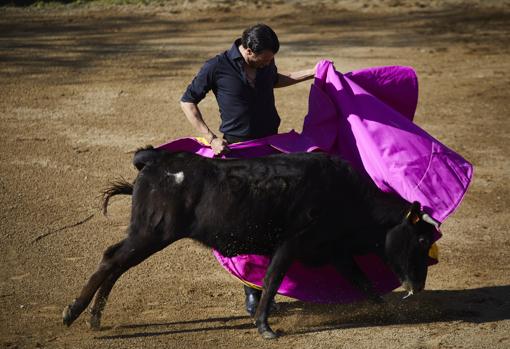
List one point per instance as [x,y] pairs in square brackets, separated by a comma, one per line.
[414,213]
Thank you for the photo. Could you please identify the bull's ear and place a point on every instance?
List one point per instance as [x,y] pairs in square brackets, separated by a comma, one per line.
[414,214]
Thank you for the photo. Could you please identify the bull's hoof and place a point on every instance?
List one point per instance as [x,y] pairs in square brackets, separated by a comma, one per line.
[71,313]
[268,334]
[68,316]
[95,322]
[265,330]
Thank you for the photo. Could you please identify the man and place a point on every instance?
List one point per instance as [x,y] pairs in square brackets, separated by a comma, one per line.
[242,80]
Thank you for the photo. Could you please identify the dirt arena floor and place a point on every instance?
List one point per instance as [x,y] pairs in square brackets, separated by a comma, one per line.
[81,87]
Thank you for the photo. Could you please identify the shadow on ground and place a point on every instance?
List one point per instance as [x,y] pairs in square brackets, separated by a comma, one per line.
[165,45]
[480,305]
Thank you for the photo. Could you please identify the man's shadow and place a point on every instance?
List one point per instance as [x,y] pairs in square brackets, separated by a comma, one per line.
[479,305]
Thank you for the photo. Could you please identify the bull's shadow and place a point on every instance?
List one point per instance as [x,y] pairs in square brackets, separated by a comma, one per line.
[479,305]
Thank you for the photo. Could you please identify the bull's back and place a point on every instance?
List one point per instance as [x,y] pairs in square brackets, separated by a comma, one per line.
[243,205]
[251,206]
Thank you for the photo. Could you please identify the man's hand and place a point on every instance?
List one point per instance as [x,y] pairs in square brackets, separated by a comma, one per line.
[219,146]
[194,116]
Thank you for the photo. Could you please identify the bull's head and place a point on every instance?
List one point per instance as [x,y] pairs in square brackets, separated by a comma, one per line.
[407,246]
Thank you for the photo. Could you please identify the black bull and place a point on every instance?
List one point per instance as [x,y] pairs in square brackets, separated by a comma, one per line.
[310,207]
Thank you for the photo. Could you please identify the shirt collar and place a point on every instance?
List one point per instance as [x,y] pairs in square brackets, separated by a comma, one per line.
[234,53]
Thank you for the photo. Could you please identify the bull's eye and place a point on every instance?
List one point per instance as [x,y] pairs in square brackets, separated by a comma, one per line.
[423,242]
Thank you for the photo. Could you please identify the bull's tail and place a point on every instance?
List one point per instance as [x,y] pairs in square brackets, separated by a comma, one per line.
[118,187]
[142,157]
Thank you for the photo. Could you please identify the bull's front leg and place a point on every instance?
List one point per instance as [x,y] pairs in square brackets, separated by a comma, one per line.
[347,266]
[280,263]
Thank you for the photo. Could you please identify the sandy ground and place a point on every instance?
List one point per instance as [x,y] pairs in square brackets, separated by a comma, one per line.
[81,87]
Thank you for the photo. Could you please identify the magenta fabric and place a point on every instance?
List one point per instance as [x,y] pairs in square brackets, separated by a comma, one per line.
[365,117]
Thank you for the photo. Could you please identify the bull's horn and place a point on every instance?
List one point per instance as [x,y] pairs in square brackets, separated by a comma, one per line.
[430,220]
[409,294]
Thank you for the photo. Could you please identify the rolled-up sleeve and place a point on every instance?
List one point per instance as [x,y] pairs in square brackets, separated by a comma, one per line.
[201,84]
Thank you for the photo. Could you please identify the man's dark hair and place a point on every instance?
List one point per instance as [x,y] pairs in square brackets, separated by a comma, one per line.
[260,37]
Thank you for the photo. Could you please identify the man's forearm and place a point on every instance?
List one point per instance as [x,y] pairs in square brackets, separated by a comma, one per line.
[195,118]
[294,78]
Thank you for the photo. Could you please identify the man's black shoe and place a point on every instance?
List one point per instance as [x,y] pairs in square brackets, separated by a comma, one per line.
[252,301]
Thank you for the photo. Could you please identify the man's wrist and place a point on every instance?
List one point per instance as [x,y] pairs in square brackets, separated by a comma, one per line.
[210,137]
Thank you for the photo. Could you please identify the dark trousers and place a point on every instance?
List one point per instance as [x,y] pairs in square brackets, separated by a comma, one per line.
[235,139]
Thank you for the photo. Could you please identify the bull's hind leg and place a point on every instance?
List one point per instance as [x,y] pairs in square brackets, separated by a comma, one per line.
[277,269]
[73,310]
[137,254]
[100,300]
[117,259]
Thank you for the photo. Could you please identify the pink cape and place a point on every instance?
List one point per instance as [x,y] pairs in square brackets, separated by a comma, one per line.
[366,118]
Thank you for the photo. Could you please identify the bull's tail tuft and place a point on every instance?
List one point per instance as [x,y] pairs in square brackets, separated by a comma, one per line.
[117,187]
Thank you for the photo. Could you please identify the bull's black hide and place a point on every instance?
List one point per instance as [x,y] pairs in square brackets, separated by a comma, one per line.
[311,207]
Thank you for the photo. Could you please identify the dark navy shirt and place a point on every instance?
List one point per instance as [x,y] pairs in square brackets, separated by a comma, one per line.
[246,112]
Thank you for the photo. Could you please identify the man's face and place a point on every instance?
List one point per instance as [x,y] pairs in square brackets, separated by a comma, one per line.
[259,60]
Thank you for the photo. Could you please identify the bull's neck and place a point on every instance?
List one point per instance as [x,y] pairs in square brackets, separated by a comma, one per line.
[388,210]
[383,212]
